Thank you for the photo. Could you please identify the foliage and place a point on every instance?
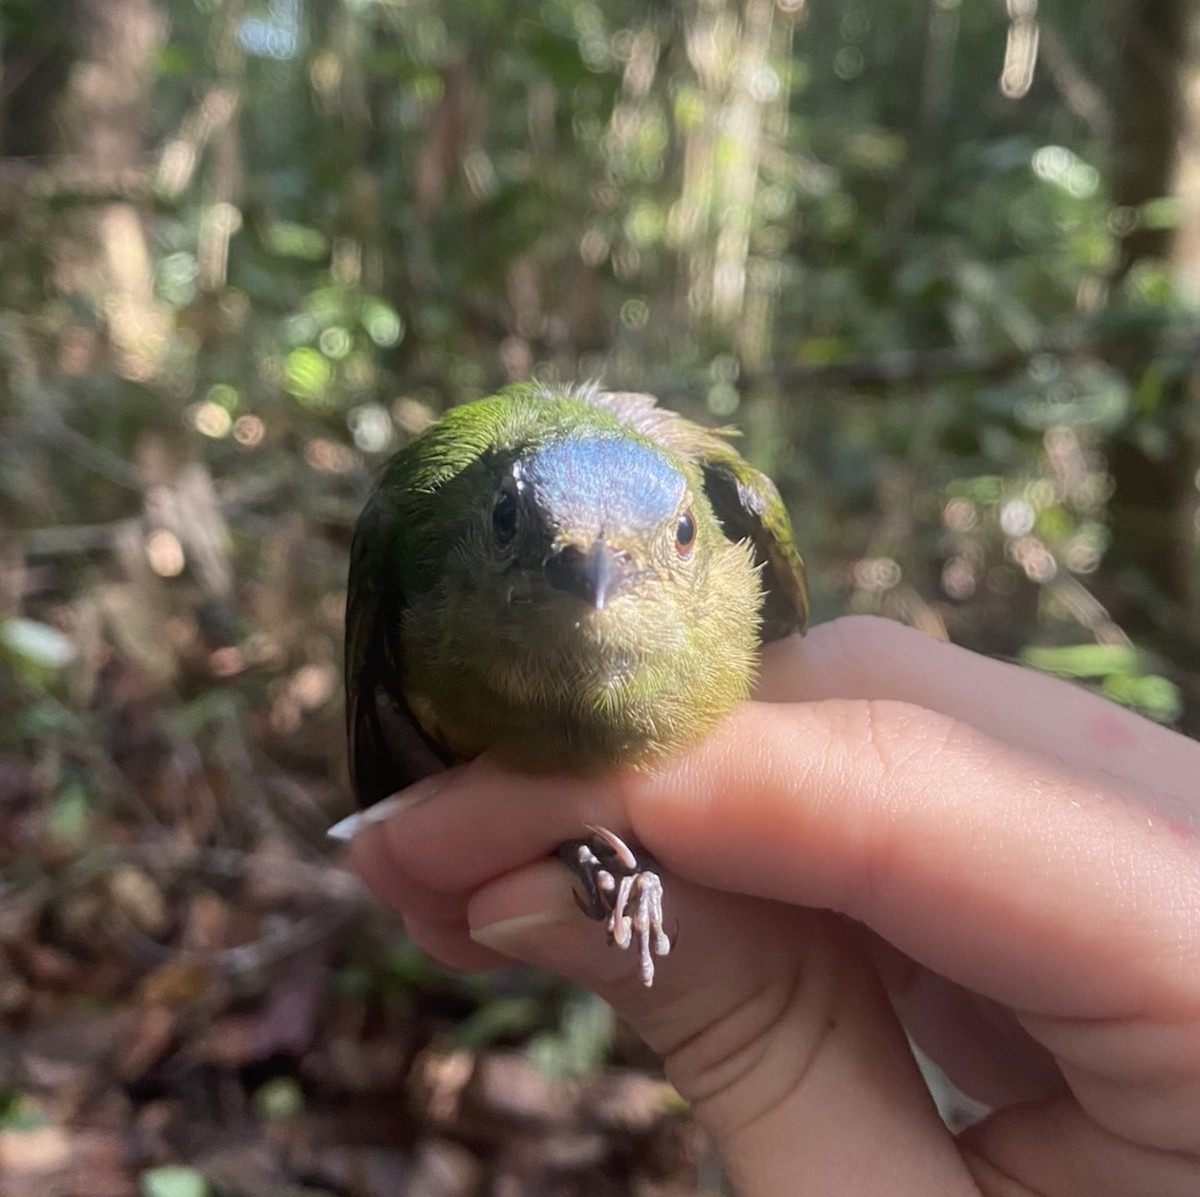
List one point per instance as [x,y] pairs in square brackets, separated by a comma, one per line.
[324,223]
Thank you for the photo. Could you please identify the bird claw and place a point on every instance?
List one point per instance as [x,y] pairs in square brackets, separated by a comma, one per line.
[623,891]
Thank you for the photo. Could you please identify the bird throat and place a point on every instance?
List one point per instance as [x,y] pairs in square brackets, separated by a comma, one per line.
[578,698]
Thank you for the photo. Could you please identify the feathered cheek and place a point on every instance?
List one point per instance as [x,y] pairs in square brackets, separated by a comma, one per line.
[516,681]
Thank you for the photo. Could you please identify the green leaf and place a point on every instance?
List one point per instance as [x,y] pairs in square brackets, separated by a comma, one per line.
[296,241]
[173,1180]
[1155,696]
[1083,660]
[405,963]
[279,1099]
[307,376]
[1165,212]
[382,322]
[499,1019]
[558,59]
[37,644]
[70,815]
[582,1042]
[19,1113]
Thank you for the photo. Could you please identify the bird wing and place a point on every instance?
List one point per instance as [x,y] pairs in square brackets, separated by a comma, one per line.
[397,554]
[387,747]
[744,499]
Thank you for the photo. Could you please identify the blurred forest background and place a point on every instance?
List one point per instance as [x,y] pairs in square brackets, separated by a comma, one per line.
[938,259]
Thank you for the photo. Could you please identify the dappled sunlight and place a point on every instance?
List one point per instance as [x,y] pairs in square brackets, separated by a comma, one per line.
[934,263]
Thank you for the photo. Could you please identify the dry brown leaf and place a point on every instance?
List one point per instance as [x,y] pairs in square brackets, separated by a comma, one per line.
[151,1032]
[174,983]
[139,898]
[40,1150]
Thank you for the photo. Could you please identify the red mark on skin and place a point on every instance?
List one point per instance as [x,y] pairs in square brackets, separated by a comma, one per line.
[1110,731]
[1181,830]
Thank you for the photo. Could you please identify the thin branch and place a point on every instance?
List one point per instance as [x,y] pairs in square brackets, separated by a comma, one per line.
[930,365]
[1078,92]
[67,540]
[51,427]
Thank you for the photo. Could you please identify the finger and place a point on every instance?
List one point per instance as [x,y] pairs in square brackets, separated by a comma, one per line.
[451,945]
[1041,886]
[517,818]
[1054,1148]
[865,657]
[436,921]
[771,1024]
[979,1044]
[1005,872]
[987,1056]
[985,1053]
[373,860]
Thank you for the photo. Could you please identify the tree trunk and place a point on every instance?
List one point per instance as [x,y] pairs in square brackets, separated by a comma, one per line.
[100,250]
[1155,509]
[1147,495]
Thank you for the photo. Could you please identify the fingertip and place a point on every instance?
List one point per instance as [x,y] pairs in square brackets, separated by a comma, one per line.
[540,891]
[531,915]
[523,816]
[370,857]
[452,947]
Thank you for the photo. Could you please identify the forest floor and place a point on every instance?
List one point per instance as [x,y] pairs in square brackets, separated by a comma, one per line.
[197,998]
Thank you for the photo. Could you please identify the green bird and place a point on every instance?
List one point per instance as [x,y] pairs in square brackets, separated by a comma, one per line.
[572,580]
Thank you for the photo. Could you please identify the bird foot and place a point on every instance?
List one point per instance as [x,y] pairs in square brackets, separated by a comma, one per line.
[623,891]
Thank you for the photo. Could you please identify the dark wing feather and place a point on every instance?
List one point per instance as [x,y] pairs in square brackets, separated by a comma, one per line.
[748,505]
[745,501]
[387,748]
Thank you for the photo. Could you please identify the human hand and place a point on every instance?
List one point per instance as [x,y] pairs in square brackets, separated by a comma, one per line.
[1014,863]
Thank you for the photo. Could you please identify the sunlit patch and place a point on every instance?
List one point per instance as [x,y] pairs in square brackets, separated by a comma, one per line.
[412,416]
[960,515]
[248,431]
[210,419]
[313,685]
[877,573]
[328,457]
[1034,558]
[371,426]
[958,578]
[1017,517]
[165,553]
[1064,168]
[227,661]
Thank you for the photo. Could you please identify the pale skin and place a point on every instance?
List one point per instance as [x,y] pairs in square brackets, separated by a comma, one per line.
[1014,861]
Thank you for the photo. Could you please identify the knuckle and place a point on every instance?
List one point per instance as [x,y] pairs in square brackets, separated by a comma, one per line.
[735,1061]
[897,738]
[896,744]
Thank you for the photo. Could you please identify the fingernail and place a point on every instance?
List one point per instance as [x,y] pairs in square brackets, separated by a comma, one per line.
[516,910]
[351,825]
[507,934]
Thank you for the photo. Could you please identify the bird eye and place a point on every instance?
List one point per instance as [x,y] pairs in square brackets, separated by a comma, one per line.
[504,519]
[685,534]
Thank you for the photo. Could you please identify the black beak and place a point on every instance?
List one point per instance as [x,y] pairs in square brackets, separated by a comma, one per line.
[590,574]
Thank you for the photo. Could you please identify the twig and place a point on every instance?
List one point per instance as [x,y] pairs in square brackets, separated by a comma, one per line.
[50,426]
[67,539]
[927,365]
[62,540]
[1079,93]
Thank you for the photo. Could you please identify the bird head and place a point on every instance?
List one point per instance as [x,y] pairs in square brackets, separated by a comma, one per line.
[571,581]
[589,526]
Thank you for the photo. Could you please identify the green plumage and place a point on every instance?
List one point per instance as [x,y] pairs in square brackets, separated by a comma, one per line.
[570,579]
